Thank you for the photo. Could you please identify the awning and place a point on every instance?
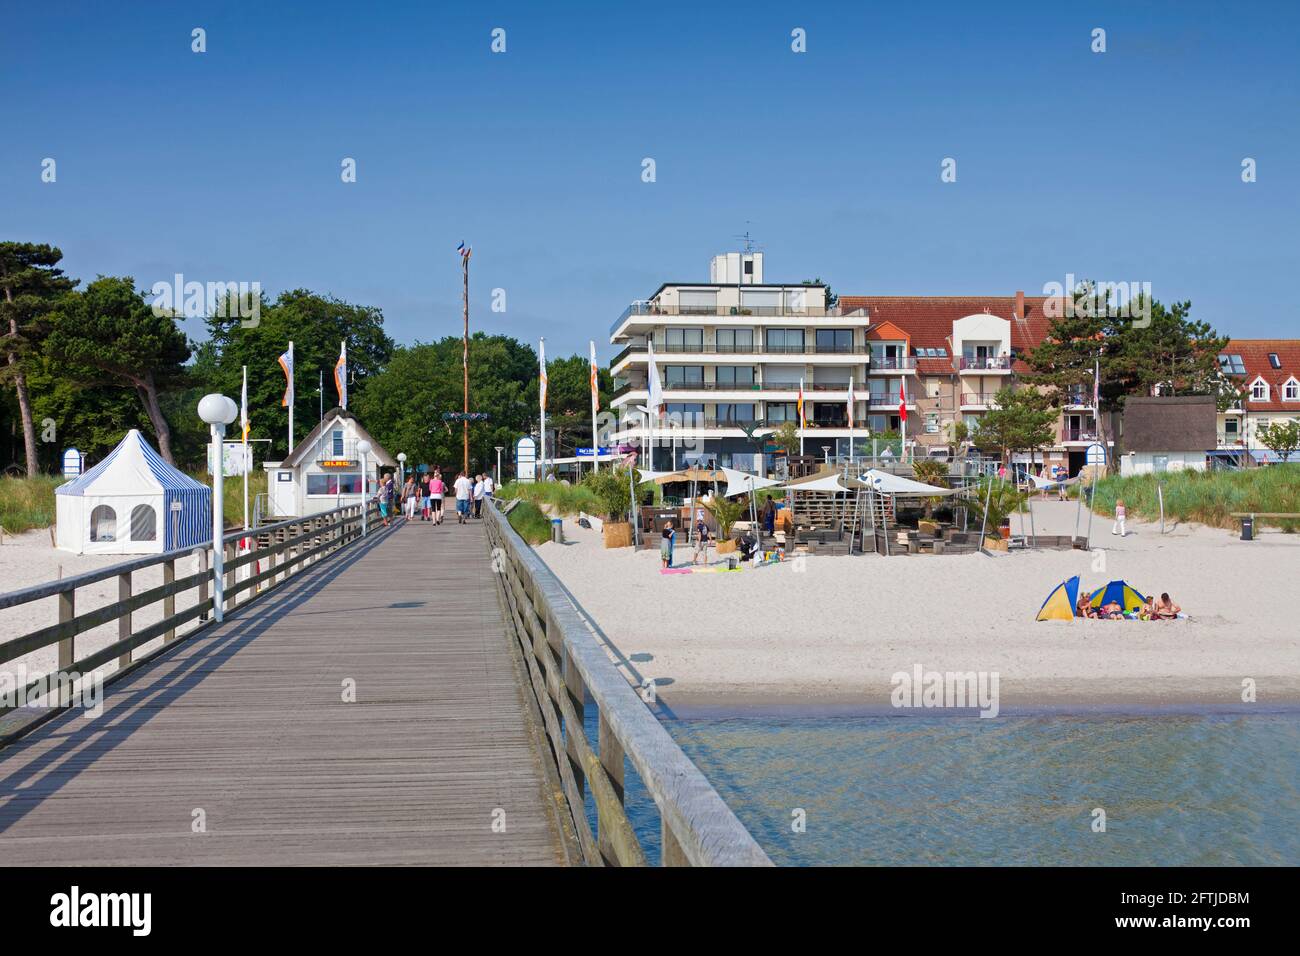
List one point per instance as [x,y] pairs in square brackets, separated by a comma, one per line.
[885,483]
[824,482]
[741,483]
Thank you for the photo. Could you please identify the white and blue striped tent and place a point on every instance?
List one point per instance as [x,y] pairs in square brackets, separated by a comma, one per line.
[132,502]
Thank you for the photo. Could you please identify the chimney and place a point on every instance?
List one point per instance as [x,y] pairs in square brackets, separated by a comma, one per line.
[1020,304]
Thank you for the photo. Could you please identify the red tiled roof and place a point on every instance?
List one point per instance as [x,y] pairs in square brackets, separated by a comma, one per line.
[1254,355]
[928,320]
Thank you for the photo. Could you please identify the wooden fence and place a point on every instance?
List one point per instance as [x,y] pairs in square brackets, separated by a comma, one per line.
[566,666]
[286,548]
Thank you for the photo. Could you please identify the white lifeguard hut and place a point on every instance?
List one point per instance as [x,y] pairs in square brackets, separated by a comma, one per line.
[323,471]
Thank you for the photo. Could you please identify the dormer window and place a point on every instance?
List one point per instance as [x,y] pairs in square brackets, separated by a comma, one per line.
[1291,390]
[1259,390]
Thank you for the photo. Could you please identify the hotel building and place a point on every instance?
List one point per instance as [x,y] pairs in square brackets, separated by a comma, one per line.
[1265,373]
[733,351]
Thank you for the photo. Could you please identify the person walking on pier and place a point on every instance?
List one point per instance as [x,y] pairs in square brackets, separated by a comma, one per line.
[478,496]
[436,492]
[464,489]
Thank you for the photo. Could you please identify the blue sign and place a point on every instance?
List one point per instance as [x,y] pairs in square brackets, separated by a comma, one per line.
[586,452]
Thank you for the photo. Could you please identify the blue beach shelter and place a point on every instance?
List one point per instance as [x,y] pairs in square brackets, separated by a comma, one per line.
[1060,604]
[1128,597]
[132,502]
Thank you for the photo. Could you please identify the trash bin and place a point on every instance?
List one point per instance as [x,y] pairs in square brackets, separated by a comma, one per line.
[1248,528]
[557,530]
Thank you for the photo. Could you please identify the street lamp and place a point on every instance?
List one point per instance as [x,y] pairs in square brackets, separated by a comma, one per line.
[218,411]
[826,453]
[364,447]
[401,468]
[500,449]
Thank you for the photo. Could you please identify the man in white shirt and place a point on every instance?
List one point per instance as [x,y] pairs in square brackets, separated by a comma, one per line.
[478,496]
[489,486]
[464,489]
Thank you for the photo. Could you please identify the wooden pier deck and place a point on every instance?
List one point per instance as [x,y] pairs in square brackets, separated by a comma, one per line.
[237,747]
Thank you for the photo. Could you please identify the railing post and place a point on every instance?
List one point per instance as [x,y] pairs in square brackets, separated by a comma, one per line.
[202,555]
[573,686]
[169,602]
[672,854]
[611,758]
[229,551]
[124,622]
[67,611]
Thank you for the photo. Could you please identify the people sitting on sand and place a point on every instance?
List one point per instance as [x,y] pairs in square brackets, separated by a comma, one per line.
[1085,609]
[1112,611]
[1165,609]
[1148,610]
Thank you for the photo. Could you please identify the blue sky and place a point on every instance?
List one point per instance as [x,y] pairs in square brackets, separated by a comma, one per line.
[1124,166]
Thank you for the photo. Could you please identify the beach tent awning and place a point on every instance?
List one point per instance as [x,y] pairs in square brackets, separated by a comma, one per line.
[1128,597]
[1060,604]
[645,474]
[702,475]
[885,483]
[824,482]
[742,483]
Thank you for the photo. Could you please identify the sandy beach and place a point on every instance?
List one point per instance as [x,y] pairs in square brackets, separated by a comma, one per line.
[29,559]
[833,632]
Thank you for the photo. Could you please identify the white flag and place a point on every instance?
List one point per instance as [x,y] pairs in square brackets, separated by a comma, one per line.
[656,399]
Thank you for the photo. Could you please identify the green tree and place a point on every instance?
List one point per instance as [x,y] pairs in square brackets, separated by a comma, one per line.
[568,401]
[108,333]
[317,325]
[1020,420]
[403,405]
[787,437]
[931,472]
[31,280]
[1281,438]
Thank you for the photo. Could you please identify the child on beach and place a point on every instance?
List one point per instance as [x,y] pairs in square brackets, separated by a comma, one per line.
[666,545]
[1120,514]
[1148,611]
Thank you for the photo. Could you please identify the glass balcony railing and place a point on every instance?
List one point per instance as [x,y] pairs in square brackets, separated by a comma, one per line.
[643,308]
[979,363]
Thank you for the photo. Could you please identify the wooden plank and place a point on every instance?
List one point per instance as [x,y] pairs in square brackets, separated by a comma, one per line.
[249,726]
[124,622]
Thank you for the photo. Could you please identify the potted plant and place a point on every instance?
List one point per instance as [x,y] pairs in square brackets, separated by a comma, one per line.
[929,471]
[613,493]
[726,513]
[993,502]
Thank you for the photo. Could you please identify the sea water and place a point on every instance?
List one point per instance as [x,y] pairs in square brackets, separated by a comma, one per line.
[1098,789]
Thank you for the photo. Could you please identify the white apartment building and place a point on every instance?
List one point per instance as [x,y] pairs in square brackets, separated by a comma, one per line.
[732,351]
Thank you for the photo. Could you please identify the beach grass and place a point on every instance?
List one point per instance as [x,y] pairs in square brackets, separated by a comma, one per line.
[1208,497]
[27,503]
[529,522]
[564,499]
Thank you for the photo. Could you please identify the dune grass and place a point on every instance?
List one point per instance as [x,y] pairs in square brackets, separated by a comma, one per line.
[566,499]
[529,522]
[27,503]
[1208,497]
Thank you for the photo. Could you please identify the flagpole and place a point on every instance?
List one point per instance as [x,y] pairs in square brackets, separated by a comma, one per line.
[851,417]
[464,263]
[292,398]
[244,429]
[902,452]
[541,404]
[595,432]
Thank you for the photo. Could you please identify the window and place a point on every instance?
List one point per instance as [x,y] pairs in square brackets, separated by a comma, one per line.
[782,412]
[1273,360]
[1232,364]
[1230,426]
[1291,391]
[144,523]
[698,302]
[735,340]
[337,447]
[784,340]
[735,411]
[103,524]
[931,353]
[741,376]
[1160,463]
[332,484]
[830,413]
[683,340]
[683,375]
[834,340]
[1259,390]
[684,413]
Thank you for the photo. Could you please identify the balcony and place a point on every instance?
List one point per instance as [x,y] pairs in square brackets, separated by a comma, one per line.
[643,308]
[343,452]
[757,348]
[791,387]
[882,363]
[976,401]
[1078,435]
[991,363]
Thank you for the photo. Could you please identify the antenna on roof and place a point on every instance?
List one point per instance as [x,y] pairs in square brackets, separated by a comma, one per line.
[747,239]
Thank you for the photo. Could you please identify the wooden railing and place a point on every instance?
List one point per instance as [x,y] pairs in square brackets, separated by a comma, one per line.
[565,666]
[290,547]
